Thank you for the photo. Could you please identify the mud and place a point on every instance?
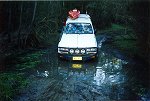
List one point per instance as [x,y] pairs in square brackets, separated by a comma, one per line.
[108,78]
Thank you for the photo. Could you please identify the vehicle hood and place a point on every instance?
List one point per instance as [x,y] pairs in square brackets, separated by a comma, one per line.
[78,41]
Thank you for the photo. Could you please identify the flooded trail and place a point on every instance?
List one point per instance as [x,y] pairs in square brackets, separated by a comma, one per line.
[108,78]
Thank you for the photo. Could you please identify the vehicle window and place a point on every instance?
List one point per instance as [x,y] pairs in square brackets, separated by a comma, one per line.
[78,28]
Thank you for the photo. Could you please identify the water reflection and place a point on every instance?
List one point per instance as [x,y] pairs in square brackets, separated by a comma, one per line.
[104,79]
[42,74]
[76,66]
[99,76]
[109,70]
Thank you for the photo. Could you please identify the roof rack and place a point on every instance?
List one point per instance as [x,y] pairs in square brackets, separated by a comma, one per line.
[84,16]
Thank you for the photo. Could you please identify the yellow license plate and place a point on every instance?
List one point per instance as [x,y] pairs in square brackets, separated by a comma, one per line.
[76,66]
[77,58]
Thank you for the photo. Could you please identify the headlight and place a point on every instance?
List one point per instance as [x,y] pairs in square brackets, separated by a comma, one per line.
[71,51]
[82,51]
[77,51]
[91,49]
[63,50]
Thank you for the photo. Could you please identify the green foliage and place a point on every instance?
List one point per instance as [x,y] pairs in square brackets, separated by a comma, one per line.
[27,65]
[116,26]
[127,46]
[45,34]
[10,84]
[100,14]
[28,61]
[123,37]
[119,30]
[49,16]
[125,40]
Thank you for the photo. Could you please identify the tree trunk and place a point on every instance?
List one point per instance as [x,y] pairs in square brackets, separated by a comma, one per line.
[9,24]
[20,22]
[34,12]
[63,4]
[33,17]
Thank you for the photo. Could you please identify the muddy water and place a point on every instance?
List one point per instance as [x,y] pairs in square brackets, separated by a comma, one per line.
[108,78]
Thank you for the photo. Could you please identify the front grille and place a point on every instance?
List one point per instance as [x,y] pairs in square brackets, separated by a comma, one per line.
[77,51]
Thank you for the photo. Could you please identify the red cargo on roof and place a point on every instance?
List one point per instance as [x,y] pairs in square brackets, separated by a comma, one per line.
[73,14]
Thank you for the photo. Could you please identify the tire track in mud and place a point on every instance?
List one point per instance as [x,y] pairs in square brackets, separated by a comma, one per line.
[66,89]
[62,83]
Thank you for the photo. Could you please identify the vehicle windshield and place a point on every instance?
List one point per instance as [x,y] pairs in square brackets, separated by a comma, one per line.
[78,28]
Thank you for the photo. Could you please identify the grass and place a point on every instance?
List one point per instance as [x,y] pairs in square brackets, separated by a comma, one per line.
[13,81]
[10,84]
[25,61]
[127,46]
[123,38]
[114,27]
[26,65]
[126,42]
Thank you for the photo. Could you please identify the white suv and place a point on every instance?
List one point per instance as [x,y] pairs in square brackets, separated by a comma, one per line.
[78,41]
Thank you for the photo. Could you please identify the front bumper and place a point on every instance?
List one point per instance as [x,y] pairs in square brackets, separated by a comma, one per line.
[80,57]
